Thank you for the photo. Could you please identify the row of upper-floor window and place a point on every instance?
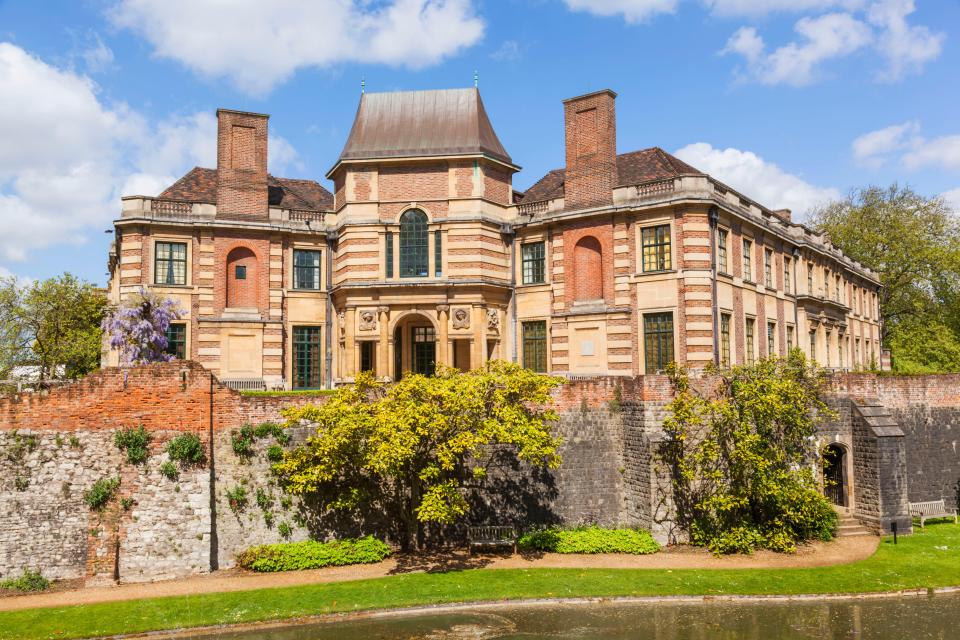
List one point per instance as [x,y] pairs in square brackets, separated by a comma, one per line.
[170,266]
[657,253]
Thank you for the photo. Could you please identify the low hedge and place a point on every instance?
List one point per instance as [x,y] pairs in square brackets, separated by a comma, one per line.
[30,580]
[589,540]
[289,394]
[295,556]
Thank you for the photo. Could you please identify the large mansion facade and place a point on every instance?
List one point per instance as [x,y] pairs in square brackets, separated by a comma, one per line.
[424,254]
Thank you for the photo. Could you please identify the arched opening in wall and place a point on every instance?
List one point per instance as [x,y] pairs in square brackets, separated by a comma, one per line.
[243,284]
[588,269]
[835,474]
[414,244]
[414,346]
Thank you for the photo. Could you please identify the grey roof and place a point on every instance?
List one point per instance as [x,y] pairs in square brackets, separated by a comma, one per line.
[422,123]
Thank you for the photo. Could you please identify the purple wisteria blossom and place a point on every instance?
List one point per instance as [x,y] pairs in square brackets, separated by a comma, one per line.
[138,327]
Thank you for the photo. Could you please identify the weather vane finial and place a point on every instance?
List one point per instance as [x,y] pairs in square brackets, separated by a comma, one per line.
[476,78]
[363,85]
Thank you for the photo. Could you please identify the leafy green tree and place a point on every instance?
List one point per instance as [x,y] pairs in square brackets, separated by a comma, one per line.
[925,347]
[739,457]
[913,243]
[53,325]
[406,449]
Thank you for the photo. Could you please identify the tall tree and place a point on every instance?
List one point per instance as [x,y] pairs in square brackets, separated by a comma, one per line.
[52,325]
[407,449]
[912,242]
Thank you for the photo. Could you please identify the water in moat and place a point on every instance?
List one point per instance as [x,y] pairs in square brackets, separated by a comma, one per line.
[915,617]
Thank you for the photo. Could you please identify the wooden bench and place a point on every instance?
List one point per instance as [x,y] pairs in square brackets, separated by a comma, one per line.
[931,510]
[492,537]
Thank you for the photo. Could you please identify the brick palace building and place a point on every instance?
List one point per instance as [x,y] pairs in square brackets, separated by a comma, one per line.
[424,253]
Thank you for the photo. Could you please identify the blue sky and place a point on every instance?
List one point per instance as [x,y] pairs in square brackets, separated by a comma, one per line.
[793,102]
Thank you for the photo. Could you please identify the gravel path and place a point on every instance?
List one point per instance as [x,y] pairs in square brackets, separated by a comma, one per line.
[838,551]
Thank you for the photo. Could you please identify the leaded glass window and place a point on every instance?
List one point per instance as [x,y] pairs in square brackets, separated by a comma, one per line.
[533,258]
[771,338]
[535,345]
[787,284]
[658,340]
[725,339]
[656,248]
[177,340]
[170,263]
[306,357]
[748,341]
[388,254]
[747,260]
[368,358]
[414,244]
[306,269]
[768,268]
[723,265]
[424,350]
[437,254]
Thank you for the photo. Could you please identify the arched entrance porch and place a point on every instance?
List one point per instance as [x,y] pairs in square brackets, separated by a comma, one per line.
[414,345]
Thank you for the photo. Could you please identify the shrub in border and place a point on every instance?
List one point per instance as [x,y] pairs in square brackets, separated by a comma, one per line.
[589,540]
[295,556]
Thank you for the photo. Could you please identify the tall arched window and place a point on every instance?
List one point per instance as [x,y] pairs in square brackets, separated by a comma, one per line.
[588,265]
[414,244]
[243,283]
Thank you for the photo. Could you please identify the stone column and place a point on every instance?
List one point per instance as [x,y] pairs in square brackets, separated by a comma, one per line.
[350,344]
[443,350]
[383,348]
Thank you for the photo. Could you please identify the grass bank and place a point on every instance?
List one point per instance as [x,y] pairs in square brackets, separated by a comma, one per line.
[927,559]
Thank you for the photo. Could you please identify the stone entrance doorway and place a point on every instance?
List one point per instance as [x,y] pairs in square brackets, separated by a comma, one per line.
[835,475]
[415,347]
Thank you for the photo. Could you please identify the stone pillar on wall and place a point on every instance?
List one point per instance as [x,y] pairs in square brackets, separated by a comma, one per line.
[443,346]
[880,467]
[350,344]
[383,347]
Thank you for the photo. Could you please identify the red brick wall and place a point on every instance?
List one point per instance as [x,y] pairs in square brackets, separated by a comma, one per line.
[591,144]
[171,396]
[496,185]
[241,165]
[414,182]
[242,292]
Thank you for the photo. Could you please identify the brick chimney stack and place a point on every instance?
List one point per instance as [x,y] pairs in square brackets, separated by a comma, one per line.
[241,164]
[590,124]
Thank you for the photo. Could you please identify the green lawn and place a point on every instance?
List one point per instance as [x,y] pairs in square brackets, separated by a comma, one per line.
[927,559]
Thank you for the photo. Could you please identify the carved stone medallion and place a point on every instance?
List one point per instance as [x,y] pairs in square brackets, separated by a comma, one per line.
[368,320]
[493,320]
[461,318]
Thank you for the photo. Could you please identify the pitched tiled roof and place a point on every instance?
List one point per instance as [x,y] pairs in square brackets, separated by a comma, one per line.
[422,123]
[200,185]
[632,168]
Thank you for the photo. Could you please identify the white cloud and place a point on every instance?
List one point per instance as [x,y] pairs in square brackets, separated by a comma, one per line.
[906,48]
[873,148]
[756,178]
[829,36]
[912,149]
[258,45]
[952,198]
[763,7]
[98,57]
[509,50]
[942,152]
[631,10]
[881,26]
[67,156]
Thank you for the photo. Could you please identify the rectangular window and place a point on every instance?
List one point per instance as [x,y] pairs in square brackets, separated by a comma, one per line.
[826,344]
[725,339]
[789,339]
[368,356]
[839,286]
[437,254]
[787,284]
[533,259]
[177,340]
[813,345]
[240,272]
[723,265]
[825,290]
[535,346]
[388,254]
[768,268]
[658,340]
[306,269]
[170,263]
[810,278]
[748,339]
[771,339]
[656,248]
[306,357]
[747,260]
